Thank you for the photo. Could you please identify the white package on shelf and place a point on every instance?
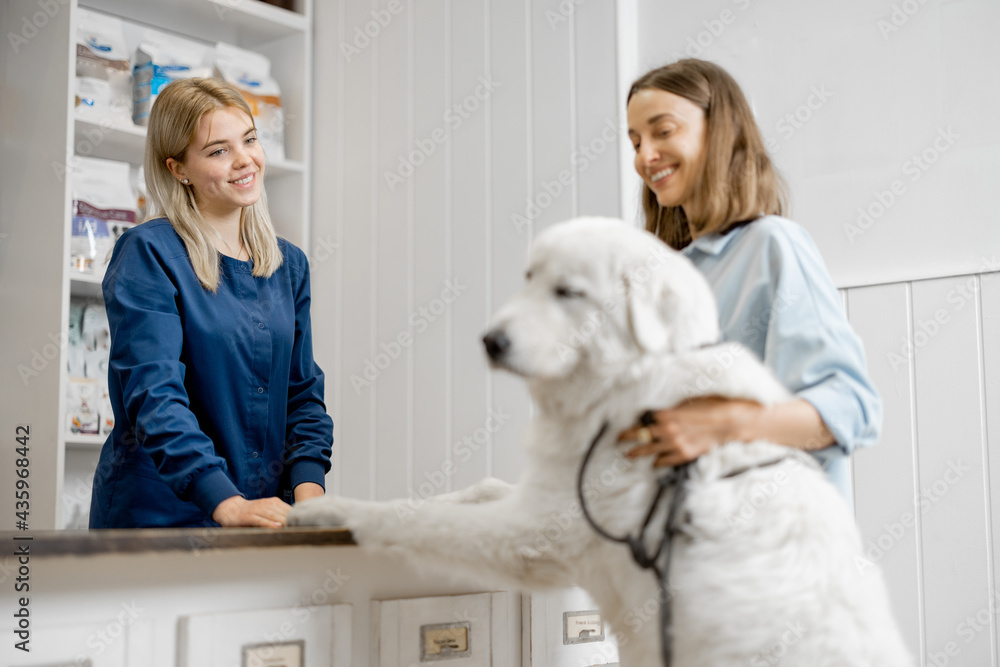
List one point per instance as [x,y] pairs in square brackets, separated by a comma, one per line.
[250,73]
[159,59]
[103,77]
[104,206]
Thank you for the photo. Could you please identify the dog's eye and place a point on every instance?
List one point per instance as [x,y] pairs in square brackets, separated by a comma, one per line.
[564,292]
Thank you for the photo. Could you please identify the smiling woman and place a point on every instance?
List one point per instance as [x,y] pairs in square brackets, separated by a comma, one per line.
[223,169]
[711,191]
[201,150]
[219,413]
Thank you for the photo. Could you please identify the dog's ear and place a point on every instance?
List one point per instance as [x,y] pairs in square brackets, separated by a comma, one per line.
[645,320]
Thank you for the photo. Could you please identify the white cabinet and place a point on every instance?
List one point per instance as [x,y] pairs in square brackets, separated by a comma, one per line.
[41,138]
[457,630]
[564,628]
[312,635]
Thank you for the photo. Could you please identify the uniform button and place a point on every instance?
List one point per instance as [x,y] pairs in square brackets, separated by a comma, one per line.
[260,390]
[254,455]
[260,325]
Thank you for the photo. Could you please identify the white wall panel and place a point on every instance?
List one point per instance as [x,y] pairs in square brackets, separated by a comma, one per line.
[600,117]
[451,117]
[950,439]
[392,265]
[325,256]
[887,513]
[553,118]
[357,108]
[990,306]
[509,190]
[471,92]
[431,244]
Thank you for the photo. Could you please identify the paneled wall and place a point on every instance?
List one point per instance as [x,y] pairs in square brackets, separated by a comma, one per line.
[423,213]
[448,134]
[926,495]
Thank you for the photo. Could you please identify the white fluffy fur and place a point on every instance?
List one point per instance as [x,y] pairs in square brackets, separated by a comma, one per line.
[769,568]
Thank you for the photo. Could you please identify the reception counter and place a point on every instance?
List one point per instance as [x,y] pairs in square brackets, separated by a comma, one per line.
[94,542]
[225,597]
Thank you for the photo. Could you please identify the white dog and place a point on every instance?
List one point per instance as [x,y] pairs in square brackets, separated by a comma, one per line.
[767,565]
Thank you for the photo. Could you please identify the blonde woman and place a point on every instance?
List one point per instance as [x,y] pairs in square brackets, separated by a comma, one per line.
[219,413]
[711,191]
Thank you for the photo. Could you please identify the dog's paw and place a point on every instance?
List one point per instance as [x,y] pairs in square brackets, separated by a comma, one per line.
[329,511]
[371,524]
[489,489]
[484,491]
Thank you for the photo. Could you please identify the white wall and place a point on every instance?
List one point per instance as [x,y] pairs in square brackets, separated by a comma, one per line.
[411,196]
[894,85]
[926,494]
[919,280]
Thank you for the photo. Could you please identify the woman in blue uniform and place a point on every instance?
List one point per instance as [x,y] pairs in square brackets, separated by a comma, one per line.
[219,413]
[711,191]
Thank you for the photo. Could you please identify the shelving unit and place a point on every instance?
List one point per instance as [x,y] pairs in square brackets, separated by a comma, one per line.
[41,137]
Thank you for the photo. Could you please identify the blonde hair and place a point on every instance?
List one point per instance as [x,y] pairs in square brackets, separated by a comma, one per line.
[173,124]
[738,182]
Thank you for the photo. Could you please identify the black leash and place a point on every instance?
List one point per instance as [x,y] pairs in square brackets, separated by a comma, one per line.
[677,480]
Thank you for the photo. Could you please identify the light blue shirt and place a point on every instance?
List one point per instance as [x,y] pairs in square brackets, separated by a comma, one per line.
[776,297]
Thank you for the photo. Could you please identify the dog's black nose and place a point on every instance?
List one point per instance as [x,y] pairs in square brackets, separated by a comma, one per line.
[496,343]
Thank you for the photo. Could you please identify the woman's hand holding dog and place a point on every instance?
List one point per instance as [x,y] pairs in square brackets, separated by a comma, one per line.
[685,432]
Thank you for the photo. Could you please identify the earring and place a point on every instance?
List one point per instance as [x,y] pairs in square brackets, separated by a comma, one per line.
[185,181]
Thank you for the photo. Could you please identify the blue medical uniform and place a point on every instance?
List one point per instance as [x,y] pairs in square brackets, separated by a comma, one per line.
[214,394]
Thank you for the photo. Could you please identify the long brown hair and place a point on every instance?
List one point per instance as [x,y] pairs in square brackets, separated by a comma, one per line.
[173,124]
[738,180]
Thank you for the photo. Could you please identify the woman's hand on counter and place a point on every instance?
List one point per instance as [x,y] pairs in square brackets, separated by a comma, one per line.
[263,513]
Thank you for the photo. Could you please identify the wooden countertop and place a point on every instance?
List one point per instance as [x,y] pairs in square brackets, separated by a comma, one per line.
[138,540]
